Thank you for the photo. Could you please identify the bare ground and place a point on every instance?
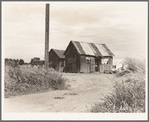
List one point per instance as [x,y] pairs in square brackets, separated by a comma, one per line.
[85,91]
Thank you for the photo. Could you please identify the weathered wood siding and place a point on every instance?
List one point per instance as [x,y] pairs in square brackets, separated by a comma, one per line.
[72,60]
[104,67]
[56,63]
[87,64]
[107,66]
[61,66]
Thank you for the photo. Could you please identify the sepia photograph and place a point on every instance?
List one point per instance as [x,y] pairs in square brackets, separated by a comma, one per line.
[74,60]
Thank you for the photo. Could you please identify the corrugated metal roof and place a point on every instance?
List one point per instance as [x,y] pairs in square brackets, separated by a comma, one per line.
[59,53]
[102,50]
[92,49]
[87,49]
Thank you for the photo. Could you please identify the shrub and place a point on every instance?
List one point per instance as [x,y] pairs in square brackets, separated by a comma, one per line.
[11,63]
[135,65]
[28,79]
[132,65]
[21,62]
[128,96]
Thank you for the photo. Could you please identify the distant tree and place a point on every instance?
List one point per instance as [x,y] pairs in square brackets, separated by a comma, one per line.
[11,62]
[32,62]
[21,62]
[6,60]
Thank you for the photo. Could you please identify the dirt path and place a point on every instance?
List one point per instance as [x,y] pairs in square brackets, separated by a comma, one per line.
[85,90]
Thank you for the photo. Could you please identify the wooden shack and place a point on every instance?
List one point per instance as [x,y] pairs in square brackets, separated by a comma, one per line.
[87,57]
[57,59]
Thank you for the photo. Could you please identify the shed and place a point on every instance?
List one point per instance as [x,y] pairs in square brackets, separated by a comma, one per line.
[87,57]
[57,59]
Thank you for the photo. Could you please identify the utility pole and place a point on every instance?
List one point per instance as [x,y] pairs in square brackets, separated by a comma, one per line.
[47,37]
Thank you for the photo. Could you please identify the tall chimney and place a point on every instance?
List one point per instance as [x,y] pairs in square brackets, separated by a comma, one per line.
[47,37]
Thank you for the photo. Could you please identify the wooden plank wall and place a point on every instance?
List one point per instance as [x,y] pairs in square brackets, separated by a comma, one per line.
[104,67]
[108,66]
[56,63]
[71,60]
[92,64]
[61,66]
[87,64]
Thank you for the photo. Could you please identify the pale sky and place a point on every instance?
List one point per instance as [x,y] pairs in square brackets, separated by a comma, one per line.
[122,26]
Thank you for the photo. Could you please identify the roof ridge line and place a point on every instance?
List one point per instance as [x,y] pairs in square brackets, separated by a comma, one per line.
[87,42]
[57,49]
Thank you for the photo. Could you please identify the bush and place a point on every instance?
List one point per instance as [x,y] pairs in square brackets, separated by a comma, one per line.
[21,62]
[132,65]
[11,63]
[135,65]
[128,96]
[28,79]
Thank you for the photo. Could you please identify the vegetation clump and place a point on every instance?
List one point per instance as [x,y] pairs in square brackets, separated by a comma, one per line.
[29,79]
[128,95]
[131,65]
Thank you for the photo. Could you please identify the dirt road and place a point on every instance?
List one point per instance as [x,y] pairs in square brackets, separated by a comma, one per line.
[85,90]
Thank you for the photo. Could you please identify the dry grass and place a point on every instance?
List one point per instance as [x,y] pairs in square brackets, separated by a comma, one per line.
[132,65]
[27,79]
[128,95]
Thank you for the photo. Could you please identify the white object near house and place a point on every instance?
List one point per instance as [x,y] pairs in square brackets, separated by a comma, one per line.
[121,65]
[104,61]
